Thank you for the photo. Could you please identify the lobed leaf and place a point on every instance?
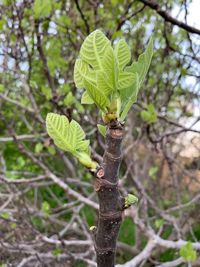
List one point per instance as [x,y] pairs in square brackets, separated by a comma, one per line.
[142,65]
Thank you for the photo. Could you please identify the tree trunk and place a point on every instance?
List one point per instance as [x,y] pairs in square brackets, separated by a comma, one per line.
[110,201]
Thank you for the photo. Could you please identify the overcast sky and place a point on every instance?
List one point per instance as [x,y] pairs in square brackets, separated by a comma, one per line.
[194,16]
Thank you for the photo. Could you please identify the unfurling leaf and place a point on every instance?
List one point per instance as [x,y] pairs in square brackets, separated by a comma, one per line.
[104,74]
[58,130]
[85,159]
[69,137]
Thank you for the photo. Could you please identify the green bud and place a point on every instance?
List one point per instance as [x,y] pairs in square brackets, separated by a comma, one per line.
[111,116]
[130,200]
[85,159]
[92,228]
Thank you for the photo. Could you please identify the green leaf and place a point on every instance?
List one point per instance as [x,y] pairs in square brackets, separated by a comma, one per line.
[46,208]
[5,215]
[2,88]
[122,53]
[93,49]
[76,136]
[86,99]
[149,115]
[79,107]
[47,92]
[96,95]
[143,63]
[86,160]
[100,70]
[102,129]
[82,71]
[42,8]
[152,171]
[188,253]
[92,228]
[70,137]
[159,223]
[130,200]
[67,136]
[129,97]
[38,148]
[127,233]
[125,80]
[2,23]
[58,129]
[51,150]
[21,162]
[57,251]
[63,89]
[69,99]
[12,226]
[103,84]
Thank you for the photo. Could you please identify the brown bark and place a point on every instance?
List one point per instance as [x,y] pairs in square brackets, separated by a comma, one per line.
[110,201]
